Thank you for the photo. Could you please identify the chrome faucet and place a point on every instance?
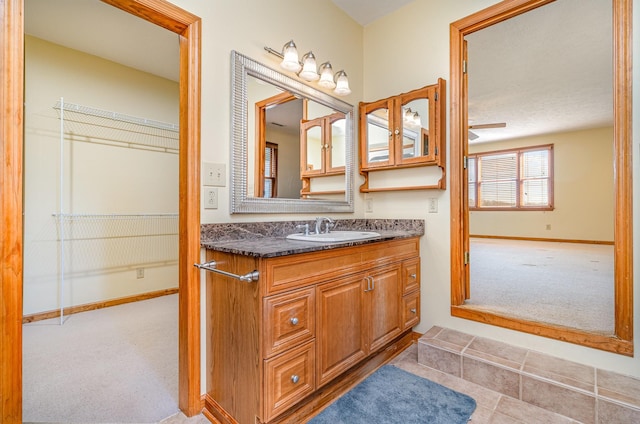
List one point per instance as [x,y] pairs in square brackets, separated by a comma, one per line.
[330,223]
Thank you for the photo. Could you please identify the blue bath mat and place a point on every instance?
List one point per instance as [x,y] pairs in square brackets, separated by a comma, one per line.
[391,395]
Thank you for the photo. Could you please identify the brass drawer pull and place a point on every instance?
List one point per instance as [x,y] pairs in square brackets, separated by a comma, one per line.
[295,379]
[413,276]
[294,321]
[413,310]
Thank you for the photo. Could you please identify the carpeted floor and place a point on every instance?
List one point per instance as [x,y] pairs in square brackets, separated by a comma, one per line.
[117,364]
[568,284]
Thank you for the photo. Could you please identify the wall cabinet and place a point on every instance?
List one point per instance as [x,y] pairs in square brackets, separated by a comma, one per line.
[407,130]
[322,149]
[309,319]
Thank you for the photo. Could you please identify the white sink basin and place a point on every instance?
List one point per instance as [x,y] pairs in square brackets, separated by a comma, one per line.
[335,236]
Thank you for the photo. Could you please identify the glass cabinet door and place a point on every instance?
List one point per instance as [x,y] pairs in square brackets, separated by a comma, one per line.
[417,115]
[336,151]
[312,147]
[376,123]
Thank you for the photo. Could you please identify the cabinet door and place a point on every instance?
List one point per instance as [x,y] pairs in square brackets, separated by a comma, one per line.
[341,330]
[377,134]
[415,144]
[336,152]
[312,158]
[383,306]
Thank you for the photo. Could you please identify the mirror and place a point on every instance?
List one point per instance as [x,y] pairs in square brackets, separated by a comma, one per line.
[617,336]
[277,165]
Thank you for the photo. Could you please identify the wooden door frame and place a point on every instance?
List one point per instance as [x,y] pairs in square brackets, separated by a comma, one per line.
[188,27]
[622,341]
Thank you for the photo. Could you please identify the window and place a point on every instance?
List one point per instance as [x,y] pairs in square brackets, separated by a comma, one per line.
[517,179]
[270,170]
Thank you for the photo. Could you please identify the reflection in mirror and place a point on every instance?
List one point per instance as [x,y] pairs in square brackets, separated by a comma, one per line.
[415,128]
[378,135]
[279,165]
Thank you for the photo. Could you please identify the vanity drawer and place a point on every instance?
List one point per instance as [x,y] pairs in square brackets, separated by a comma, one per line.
[288,379]
[410,310]
[410,275]
[289,320]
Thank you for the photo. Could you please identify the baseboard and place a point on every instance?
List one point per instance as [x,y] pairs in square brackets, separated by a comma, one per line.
[97,305]
[543,239]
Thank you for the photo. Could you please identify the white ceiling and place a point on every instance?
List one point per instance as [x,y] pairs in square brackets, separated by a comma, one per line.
[533,94]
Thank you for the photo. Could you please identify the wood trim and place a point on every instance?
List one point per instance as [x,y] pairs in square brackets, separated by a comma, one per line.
[97,305]
[261,135]
[11,193]
[622,341]
[189,348]
[543,239]
[623,178]
[594,340]
[167,15]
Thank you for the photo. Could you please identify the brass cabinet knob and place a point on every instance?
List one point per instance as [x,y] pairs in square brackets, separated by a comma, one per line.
[294,321]
[412,310]
[295,379]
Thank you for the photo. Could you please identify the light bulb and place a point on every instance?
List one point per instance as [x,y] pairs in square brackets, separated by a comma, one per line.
[326,76]
[309,70]
[290,57]
[342,84]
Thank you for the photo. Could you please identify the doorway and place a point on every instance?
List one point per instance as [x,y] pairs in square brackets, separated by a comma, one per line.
[11,99]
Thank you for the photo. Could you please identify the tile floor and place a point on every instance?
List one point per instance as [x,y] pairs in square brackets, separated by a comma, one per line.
[492,407]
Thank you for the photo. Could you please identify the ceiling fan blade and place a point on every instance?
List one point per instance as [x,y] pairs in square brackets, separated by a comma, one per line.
[486,126]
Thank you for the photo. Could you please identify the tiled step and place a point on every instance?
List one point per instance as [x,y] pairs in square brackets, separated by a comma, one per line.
[583,393]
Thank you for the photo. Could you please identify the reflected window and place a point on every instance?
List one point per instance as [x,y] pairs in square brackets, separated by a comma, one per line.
[270,170]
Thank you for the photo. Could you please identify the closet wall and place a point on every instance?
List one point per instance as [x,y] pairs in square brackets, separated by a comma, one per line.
[97,179]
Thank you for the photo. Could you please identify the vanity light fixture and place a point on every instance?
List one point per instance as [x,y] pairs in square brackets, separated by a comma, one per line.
[308,70]
[326,76]
[290,57]
[342,84]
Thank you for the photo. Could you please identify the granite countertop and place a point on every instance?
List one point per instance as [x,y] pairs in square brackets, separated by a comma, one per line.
[268,239]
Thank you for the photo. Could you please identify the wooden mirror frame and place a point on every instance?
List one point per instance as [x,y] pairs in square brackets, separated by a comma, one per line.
[622,341]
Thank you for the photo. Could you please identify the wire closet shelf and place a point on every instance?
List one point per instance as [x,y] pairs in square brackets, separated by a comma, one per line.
[84,123]
[99,243]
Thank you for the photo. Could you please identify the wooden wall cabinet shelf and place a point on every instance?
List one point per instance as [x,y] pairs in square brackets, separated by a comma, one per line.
[404,131]
[310,319]
[322,150]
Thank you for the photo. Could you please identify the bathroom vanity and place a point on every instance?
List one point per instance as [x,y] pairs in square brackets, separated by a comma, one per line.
[304,316]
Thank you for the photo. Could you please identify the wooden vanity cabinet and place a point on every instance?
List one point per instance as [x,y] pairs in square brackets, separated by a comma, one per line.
[309,319]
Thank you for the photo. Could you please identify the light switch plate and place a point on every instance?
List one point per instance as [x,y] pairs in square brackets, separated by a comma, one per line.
[214,174]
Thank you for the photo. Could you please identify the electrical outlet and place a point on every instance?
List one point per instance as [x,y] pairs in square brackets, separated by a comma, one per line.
[213,174]
[210,198]
[139,273]
[433,205]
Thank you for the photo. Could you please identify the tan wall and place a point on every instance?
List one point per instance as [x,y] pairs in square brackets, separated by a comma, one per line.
[583,191]
[98,179]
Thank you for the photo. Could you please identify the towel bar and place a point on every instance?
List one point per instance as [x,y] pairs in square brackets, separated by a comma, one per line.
[211,266]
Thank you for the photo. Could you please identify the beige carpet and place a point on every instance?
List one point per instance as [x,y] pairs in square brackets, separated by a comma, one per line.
[569,284]
[112,365]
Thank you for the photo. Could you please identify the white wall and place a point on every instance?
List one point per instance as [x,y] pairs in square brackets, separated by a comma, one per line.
[380,62]
[99,179]
[583,190]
